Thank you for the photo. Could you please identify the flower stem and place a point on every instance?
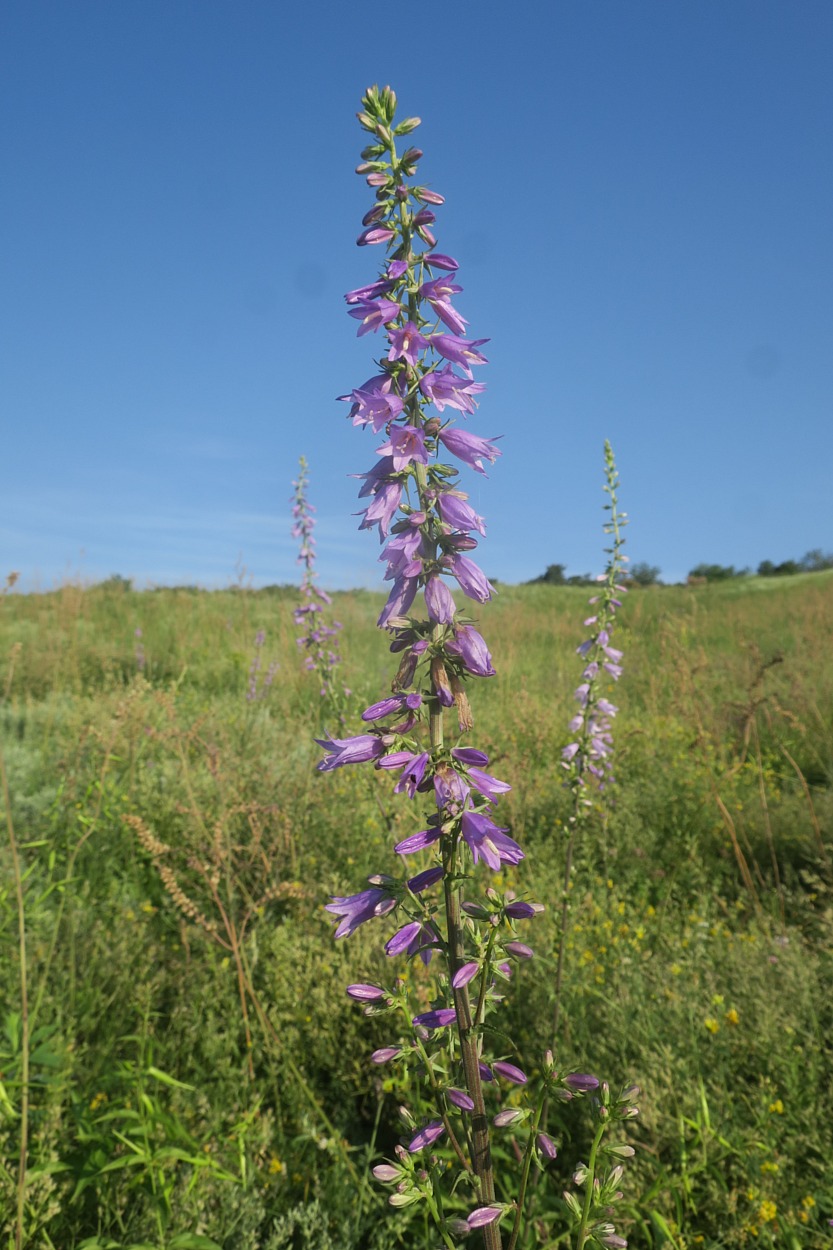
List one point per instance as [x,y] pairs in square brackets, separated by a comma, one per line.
[588,1187]
[527,1164]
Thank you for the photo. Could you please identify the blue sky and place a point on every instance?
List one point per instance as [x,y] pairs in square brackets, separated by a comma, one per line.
[639,193]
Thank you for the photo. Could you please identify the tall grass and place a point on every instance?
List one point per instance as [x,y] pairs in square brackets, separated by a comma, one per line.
[195,1075]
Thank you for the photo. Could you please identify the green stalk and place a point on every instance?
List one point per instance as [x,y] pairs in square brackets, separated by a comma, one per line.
[588,1186]
[527,1164]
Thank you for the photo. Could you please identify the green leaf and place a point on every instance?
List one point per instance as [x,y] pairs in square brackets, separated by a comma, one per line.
[159,1075]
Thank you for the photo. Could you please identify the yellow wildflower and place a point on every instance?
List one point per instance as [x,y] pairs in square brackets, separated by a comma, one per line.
[777,1107]
[732,1016]
[767,1212]
[276,1166]
[711,1024]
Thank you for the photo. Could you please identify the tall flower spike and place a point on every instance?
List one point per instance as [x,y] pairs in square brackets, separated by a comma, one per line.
[426,368]
[587,758]
[319,639]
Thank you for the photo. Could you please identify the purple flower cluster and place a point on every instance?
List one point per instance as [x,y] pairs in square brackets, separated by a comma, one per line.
[319,640]
[589,754]
[257,689]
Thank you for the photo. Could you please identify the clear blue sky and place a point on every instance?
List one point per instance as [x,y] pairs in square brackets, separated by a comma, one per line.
[639,192]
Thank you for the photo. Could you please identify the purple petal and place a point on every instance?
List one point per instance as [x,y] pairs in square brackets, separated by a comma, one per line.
[460,1099]
[509,1072]
[465,974]
[365,993]
[482,1216]
[426,1136]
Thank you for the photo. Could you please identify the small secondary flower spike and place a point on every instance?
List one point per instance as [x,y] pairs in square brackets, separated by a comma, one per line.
[319,641]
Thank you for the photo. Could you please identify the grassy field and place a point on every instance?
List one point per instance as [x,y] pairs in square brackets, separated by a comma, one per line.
[195,1075]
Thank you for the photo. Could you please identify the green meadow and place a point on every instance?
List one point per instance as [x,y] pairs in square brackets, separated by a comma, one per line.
[180,1066]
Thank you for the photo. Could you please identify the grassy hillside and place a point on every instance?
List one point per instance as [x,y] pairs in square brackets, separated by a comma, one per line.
[197,1076]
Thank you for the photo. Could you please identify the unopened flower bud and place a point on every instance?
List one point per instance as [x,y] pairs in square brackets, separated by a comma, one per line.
[411,156]
[409,124]
[385,1172]
[432,427]
[512,1115]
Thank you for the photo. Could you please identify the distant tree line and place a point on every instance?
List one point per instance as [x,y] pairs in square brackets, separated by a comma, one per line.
[643,574]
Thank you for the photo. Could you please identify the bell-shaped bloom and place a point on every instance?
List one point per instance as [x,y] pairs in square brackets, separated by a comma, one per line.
[438,293]
[402,595]
[450,789]
[426,1136]
[459,351]
[519,949]
[402,939]
[454,511]
[439,601]
[382,509]
[406,343]
[373,313]
[469,448]
[356,909]
[473,581]
[547,1146]
[471,647]
[443,387]
[375,403]
[487,785]
[356,750]
[488,842]
[402,555]
[412,775]
[407,444]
